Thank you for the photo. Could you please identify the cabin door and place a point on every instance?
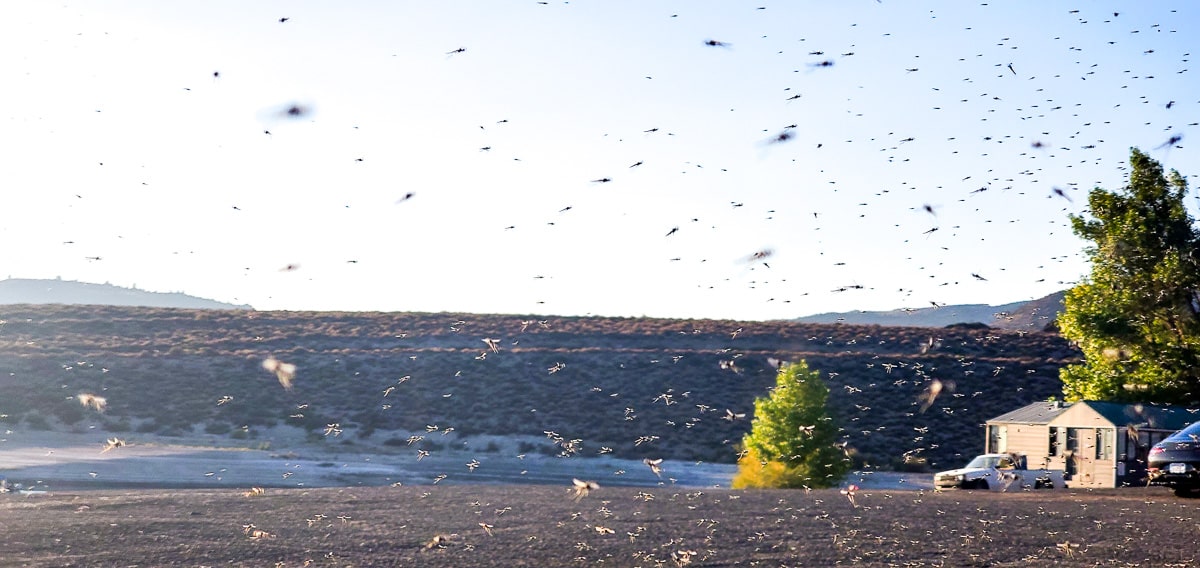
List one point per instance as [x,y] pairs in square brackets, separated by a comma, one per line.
[1071,454]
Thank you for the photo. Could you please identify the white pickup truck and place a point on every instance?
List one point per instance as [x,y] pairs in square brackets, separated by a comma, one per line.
[998,472]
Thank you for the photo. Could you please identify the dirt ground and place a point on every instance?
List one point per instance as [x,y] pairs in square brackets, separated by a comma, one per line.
[162,502]
[57,460]
[543,525]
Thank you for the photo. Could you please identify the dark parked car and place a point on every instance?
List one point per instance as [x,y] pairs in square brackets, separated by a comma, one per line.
[1175,462]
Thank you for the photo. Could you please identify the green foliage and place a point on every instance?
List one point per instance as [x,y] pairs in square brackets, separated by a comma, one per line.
[69,412]
[791,441]
[968,325]
[1137,318]
[527,448]
[119,425]
[218,428]
[35,421]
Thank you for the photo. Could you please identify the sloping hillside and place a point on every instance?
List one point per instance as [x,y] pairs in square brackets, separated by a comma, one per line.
[36,291]
[1036,314]
[1029,315]
[637,387]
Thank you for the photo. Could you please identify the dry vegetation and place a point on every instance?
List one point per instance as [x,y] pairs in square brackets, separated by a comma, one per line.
[642,387]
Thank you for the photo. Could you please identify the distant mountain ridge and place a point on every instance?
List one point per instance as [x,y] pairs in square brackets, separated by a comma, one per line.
[1032,314]
[1028,315]
[70,292]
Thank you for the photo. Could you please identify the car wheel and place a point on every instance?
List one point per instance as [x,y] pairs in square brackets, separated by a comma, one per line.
[980,484]
[1186,492]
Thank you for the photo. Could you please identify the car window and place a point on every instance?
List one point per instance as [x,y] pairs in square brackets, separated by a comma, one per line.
[1188,434]
[983,462]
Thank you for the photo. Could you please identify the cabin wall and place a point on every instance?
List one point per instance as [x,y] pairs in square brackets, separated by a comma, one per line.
[1086,447]
[1095,462]
[1029,440]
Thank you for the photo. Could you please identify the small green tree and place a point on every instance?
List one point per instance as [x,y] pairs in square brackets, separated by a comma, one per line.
[791,440]
[1137,318]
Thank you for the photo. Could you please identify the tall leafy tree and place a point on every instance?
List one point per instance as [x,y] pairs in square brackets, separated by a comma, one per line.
[791,440]
[1137,317]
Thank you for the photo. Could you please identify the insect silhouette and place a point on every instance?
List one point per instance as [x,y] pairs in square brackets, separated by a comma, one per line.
[760,255]
[1170,142]
[654,465]
[285,372]
[583,488]
[781,137]
[89,400]
[493,344]
[292,111]
[851,492]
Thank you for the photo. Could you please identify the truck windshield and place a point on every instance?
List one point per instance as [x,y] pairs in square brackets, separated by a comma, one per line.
[983,462]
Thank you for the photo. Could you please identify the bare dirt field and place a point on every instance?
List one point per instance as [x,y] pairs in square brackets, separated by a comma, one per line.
[60,460]
[543,525]
[187,502]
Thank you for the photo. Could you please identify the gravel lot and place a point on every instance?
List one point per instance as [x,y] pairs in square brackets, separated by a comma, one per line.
[540,525]
[158,502]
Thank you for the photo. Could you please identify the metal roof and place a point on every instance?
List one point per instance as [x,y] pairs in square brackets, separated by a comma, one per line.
[1037,413]
[1146,415]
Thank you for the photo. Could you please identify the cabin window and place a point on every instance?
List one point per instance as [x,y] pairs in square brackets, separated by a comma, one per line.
[1072,440]
[1105,439]
[1055,441]
[997,439]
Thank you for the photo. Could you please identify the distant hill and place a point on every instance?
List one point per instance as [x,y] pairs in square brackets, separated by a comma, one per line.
[1033,314]
[69,292]
[630,387]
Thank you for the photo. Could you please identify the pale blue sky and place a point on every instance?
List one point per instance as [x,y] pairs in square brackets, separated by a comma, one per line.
[194,196]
